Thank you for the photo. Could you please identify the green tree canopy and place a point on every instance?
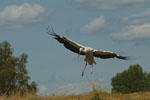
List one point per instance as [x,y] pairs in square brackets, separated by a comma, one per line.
[13,73]
[131,80]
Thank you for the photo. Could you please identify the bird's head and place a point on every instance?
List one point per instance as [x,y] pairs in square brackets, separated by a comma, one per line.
[80,50]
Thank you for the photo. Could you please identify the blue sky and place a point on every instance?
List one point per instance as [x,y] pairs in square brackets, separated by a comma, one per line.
[121,26]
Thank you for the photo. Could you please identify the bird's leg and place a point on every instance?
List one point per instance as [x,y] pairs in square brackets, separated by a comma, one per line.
[92,69]
[84,69]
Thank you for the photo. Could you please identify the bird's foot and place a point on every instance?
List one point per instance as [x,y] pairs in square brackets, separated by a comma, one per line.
[82,74]
[92,69]
[91,72]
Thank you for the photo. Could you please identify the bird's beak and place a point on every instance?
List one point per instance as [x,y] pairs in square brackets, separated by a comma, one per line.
[79,54]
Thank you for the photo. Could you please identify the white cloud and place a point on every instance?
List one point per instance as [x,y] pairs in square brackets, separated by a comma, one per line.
[142,14]
[134,32]
[16,16]
[94,25]
[137,18]
[110,4]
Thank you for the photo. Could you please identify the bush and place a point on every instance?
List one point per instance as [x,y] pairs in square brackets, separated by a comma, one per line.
[13,74]
[131,80]
[96,97]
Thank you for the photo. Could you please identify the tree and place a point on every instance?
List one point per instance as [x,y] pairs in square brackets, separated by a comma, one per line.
[131,80]
[13,72]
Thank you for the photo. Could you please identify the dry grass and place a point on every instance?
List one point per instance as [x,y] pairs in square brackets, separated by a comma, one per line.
[85,96]
[97,93]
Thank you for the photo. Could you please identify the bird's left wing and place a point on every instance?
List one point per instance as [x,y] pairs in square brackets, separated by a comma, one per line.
[69,44]
[107,54]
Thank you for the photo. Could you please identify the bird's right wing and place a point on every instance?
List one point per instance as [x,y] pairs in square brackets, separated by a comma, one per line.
[107,54]
[69,44]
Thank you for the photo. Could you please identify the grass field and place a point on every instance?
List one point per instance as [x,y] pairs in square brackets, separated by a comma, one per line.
[94,95]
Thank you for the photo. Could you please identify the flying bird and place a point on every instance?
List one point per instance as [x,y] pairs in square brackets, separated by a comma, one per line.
[88,52]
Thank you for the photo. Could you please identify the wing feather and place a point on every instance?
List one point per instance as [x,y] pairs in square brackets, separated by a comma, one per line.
[69,44]
[107,54]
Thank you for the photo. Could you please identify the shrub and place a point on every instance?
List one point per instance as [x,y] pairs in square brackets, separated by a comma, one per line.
[13,74]
[96,97]
[131,80]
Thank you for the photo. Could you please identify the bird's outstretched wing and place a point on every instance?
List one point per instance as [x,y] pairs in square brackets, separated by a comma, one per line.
[69,44]
[107,54]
